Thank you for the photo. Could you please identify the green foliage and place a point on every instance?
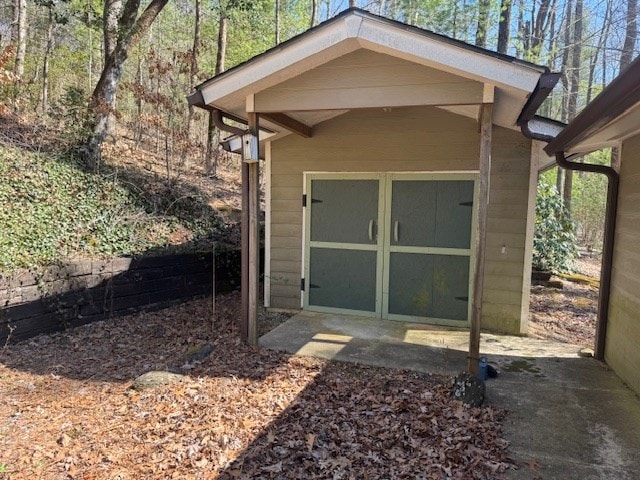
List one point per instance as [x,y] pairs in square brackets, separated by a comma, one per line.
[50,208]
[554,241]
[588,200]
[70,112]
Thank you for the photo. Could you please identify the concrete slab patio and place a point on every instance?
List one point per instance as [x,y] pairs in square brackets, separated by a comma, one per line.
[570,417]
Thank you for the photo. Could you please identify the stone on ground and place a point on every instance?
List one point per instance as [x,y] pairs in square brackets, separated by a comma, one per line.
[198,352]
[155,379]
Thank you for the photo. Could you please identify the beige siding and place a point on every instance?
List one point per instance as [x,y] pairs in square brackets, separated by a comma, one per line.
[507,274]
[623,330]
[407,139]
[364,79]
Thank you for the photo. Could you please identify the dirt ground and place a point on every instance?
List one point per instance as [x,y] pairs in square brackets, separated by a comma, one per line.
[567,314]
[68,410]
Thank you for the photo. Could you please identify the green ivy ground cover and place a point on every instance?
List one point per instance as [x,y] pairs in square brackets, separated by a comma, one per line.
[51,209]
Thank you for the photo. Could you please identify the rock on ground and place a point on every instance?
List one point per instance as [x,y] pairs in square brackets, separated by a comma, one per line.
[155,379]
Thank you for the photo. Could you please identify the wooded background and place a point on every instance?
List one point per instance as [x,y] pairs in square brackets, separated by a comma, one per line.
[62,62]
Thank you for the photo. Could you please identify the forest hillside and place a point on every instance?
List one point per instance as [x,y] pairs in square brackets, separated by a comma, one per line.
[103,156]
[54,208]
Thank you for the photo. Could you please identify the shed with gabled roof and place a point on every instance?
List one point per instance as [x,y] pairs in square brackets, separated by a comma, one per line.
[398,182]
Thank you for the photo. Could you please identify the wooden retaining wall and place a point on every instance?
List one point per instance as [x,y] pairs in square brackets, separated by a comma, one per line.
[79,292]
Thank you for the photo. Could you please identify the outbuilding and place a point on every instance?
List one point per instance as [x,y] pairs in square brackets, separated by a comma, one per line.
[398,183]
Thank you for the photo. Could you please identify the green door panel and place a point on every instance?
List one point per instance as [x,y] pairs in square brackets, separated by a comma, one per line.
[413,213]
[450,287]
[342,210]
[343,279]
[431,286]
[411,284]
[453,214]
[431,213]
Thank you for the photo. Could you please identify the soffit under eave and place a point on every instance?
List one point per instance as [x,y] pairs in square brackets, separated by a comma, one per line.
[507,108]
[610,135]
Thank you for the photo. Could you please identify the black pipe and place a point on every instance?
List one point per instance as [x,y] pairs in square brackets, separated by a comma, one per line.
[218,121]
[611,210]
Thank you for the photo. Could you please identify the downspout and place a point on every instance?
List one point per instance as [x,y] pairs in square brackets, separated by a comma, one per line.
[196,99]
[609,229]
[218,121]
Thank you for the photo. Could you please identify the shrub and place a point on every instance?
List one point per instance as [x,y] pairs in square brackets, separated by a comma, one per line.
[554,241]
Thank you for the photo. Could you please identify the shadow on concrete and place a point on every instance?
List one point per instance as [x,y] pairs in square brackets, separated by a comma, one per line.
[569,417]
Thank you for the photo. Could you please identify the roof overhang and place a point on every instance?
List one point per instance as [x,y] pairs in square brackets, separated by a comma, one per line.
[510,81]
[609,119]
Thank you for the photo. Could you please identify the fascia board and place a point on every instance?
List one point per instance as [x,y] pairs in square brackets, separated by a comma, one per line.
[324,44]
[358,31]
[408,45]
[611,134]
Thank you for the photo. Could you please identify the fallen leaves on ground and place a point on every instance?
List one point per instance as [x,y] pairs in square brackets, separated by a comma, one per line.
[567,315]
[67,410]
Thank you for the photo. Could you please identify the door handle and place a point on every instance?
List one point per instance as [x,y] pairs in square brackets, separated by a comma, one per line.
[396,231]
[371,224]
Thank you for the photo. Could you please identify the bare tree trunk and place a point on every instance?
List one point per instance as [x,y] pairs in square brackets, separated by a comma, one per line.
[130,29]
[483,23]
[45,63]
[504,25]
[566,79]
[559,172]
[139,99]
[110,15]
[90,59]
[15,20]
[314,13]
[599,48]
[631,35]
[573,93]
[553,40]
[576,55]
[541,26]
[21,37]
[212,133]
[193,74]
[523,45]
[277,22]
[626,56]
[221,55]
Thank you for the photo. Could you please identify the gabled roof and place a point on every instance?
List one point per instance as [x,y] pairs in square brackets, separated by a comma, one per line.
[354,30]
[610,118]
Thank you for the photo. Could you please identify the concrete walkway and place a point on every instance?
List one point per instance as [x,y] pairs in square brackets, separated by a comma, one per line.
[570,417]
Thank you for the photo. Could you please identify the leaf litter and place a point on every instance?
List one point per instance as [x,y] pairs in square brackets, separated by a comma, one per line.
[567,315]
[67,409]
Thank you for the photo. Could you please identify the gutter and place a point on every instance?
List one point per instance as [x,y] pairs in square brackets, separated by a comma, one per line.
[197,100]
[610,212]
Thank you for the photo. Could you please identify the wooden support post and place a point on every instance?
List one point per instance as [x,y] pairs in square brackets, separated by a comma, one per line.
[244,254]
[254,234]
[486,120]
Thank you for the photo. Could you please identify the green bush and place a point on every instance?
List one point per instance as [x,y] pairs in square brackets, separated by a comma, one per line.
[554,241]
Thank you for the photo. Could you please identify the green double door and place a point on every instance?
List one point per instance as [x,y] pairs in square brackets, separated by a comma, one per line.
[395,246]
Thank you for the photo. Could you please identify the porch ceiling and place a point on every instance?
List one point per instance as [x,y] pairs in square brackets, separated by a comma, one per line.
[359,60]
